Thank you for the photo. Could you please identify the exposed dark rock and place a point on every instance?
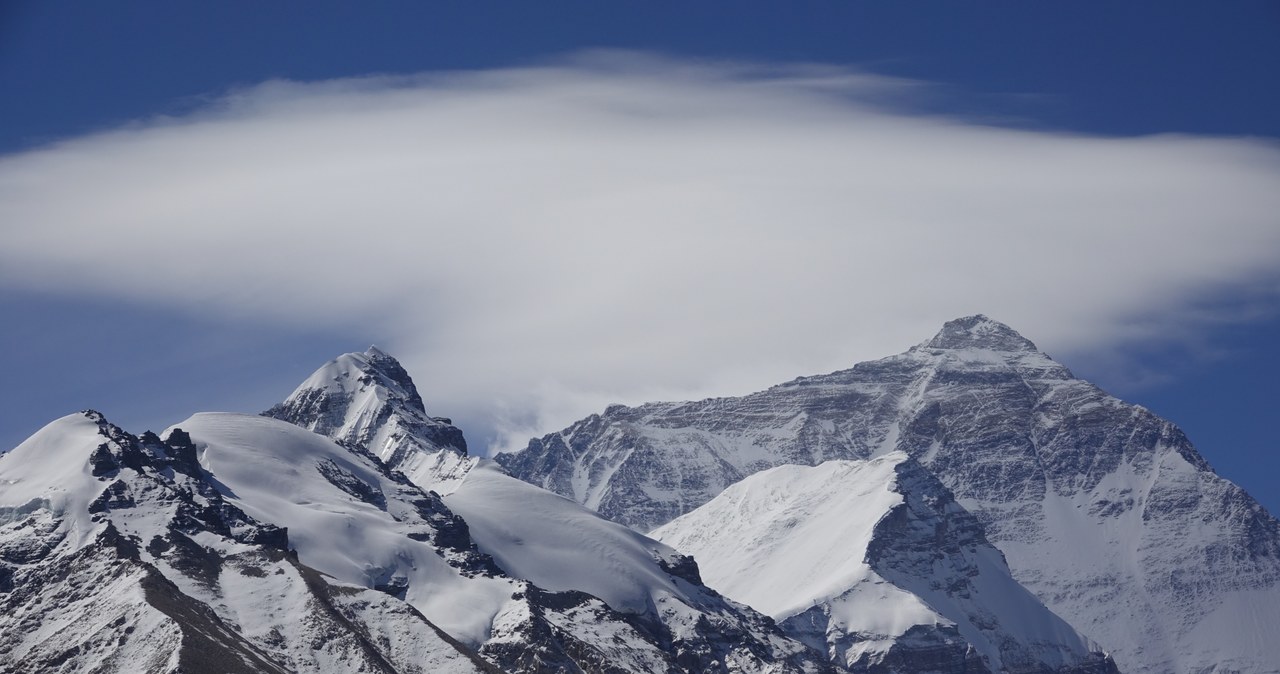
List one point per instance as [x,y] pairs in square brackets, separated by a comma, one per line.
[684,567]
[349,483]
[209,645]
[116,495]
[182,452]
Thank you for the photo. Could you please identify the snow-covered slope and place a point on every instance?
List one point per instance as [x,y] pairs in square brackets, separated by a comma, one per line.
[531,534]
[1102,509]
[368,400]
[875,562]
[351,520]
[118,554]
[560,545]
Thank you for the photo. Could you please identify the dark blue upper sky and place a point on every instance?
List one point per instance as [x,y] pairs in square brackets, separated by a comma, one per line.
[1122,68]
[67,68]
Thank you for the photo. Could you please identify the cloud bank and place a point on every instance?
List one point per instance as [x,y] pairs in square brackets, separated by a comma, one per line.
[537,242]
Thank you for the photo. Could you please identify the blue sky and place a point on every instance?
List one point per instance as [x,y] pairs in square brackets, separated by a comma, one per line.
[1144,85]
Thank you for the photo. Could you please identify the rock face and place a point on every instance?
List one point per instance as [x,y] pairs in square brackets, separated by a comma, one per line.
[368,400]
[1102,509]
[875,563]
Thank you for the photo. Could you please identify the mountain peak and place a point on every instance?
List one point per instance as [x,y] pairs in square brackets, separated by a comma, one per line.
[979,332]
[368,401]
[390,374]
[373,369]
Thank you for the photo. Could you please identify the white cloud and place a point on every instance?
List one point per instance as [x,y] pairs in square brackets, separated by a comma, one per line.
[539,241]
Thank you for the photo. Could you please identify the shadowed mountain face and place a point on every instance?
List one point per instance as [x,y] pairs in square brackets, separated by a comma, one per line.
[1103,510]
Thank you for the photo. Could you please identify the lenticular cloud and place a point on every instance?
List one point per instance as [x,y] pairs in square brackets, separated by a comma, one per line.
[543,240]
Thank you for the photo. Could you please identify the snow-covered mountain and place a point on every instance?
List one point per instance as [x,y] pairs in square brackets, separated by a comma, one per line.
[558,545]
[352,532]
[357,522]
[122,554]
[246,544]
[1103,510]
[874,562]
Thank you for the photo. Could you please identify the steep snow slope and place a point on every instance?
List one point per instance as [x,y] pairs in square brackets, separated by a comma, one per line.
[560,545]
[857,554]
[367,400]
[118,555]
[1103,510]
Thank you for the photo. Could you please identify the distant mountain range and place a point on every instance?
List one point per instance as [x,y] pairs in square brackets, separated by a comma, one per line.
[968,506]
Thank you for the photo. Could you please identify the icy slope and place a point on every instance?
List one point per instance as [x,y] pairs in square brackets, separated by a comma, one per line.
[368,400]
[118,555]
[560,545]
[857,554]
[1102,509]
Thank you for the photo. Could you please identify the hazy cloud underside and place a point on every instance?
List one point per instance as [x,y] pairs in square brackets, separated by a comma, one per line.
[537,242]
